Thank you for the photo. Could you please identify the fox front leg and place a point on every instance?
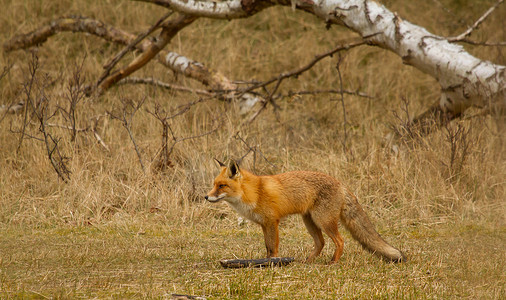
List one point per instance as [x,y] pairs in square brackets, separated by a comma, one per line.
[271,236]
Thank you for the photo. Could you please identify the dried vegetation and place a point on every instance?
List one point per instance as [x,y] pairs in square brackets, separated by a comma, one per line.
[102,196]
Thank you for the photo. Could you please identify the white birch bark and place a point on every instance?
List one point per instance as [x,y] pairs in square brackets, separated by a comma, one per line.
[215,80]
[464,79]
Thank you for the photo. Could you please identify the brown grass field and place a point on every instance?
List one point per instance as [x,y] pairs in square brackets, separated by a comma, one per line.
[114,231]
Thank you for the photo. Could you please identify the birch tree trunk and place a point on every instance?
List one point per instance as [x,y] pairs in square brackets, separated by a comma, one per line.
[464,79]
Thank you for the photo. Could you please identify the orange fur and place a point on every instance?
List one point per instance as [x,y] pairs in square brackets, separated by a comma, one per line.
[321,200]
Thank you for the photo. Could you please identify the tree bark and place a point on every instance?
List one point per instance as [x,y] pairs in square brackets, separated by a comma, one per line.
[168,32]
[216,81]
[464,79]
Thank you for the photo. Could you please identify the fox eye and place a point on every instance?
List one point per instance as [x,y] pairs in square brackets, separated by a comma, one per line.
[221,186]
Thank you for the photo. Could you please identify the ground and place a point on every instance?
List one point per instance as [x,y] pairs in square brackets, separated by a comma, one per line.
[116,230]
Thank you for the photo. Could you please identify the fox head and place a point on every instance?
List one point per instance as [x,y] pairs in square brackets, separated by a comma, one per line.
[227,185]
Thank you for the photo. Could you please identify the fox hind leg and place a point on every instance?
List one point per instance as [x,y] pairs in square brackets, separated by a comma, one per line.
[331,229]
[317,235]
[329,225]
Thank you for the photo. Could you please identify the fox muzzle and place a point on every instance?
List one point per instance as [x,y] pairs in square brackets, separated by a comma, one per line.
[214,199]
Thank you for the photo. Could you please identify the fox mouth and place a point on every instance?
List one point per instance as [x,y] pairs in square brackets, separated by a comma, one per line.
[214,199]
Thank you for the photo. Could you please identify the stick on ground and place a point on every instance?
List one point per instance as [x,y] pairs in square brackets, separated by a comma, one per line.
[256,263]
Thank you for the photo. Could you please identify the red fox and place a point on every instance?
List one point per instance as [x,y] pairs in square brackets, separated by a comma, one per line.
[320,199]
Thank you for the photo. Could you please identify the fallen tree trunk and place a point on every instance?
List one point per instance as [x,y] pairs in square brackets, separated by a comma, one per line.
[216,81]
[464,79]
[169,30]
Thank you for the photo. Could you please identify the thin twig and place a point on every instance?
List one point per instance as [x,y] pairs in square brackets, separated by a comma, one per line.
[176,140]
[342,46]
[163,116]
[254,149]
[170,29]
[345,123]
[404,128]
[76,93]
[295,73]
[33,66]
[64,127]
[96,135]
[27,135]
[40,110]
[128,111]
[468,32]
[112,62]
[257,113]
[331,91]
[475,43]
[159,83]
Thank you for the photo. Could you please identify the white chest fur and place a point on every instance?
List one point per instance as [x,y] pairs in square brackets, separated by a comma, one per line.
[246,210]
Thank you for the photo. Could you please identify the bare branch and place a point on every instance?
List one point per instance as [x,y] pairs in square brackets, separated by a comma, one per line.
[221,85]
[432,119]
[470,30]
[75,94]
[33,65]
[170,29]
[458,140]
[345,45]
[73,24]
[128,110]
[96,135]
[345,122]
[331,91]
[112,62]
[26,135]
[464,79]
[405,128]
[179,140]
[164,161]
[168,86]
[165,153]
[250,149]
[38,102]
[476,43]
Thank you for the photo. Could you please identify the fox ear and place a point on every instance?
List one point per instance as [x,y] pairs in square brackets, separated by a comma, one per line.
[220,163]
[233,169]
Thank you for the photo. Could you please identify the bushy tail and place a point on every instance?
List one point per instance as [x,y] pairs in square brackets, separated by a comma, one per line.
[356,221]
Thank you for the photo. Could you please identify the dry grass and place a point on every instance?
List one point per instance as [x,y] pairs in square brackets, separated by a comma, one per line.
[114,231]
